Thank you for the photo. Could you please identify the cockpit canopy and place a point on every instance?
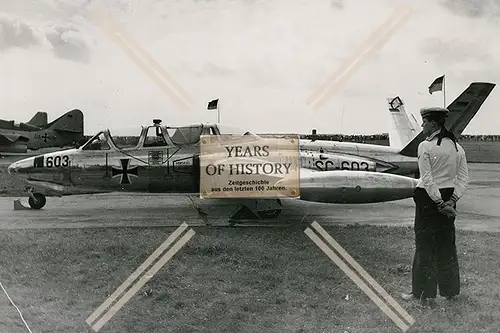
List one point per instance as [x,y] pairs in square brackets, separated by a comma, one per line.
[157,135]
[97,142]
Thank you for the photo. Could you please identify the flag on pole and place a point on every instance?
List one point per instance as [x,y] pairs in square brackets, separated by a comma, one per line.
[212,105]
[437,85]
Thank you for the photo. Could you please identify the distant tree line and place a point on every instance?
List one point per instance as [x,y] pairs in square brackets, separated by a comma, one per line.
[347,137]
[385,137]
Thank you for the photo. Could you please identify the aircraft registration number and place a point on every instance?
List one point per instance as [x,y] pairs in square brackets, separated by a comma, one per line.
[345,165]
[57,161]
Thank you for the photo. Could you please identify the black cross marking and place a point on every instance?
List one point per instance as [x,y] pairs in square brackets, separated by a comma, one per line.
[124,171]
[45,137]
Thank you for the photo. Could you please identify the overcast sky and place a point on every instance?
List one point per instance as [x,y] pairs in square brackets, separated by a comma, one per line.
[263,59]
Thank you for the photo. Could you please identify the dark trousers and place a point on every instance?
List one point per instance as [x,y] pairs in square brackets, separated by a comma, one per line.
[435,262]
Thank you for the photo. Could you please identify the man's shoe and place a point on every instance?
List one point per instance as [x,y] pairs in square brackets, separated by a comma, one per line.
[431,302]
[451,298]
[424,301]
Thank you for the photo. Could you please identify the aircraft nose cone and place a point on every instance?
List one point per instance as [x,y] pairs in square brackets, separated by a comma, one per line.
[20,167]
[12,168]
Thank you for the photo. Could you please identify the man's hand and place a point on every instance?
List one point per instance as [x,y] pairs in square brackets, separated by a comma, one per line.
[451,203]
[448,210]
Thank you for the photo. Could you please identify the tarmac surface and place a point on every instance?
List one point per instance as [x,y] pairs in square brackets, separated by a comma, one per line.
[478,210]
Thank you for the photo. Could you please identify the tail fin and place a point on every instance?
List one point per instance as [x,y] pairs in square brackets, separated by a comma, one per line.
[39,119]
[404,127]
[71,121]
[462,110]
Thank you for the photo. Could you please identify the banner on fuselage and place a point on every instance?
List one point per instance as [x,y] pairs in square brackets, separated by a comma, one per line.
[235,166]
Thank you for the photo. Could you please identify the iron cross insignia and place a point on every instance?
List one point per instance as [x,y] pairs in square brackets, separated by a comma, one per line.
[124,171]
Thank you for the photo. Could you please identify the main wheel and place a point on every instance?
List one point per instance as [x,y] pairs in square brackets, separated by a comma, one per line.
[38,202]
[269,214]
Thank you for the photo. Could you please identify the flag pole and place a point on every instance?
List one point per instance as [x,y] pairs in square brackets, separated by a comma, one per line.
[444,92]
[218,113]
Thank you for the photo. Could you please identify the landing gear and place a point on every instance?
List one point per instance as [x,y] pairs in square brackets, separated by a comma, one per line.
[272,209]
[262,210]
[36,200]
[269,214]
[248,210]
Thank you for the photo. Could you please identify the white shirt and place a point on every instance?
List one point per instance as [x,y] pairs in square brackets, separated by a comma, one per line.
[441,167]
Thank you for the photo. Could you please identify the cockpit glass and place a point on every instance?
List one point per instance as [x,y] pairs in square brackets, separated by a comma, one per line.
[185,135]
[125,141]
[227,129]
[98,142]
[154,137]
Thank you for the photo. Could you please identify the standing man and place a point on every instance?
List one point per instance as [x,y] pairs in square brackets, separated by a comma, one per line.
[443,180]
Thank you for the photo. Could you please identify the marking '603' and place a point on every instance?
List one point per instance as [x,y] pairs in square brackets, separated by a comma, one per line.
[57,161]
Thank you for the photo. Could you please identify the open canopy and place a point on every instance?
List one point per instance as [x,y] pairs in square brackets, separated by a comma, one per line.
[157,136]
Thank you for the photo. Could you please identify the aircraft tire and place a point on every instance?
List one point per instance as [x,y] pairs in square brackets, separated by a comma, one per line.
[39,202]
[269,214]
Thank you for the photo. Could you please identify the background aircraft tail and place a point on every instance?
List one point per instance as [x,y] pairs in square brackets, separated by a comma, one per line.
[71,121]
[39,119]
[462,110]
[404,125]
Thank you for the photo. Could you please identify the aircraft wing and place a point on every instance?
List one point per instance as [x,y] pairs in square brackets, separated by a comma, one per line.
[465,107]
[462,110]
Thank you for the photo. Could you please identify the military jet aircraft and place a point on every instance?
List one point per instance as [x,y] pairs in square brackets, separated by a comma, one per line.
[166,159]
[37,133]
[398,158]
[331,172]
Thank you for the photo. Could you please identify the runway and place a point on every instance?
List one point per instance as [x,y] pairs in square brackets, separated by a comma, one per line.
[478,210]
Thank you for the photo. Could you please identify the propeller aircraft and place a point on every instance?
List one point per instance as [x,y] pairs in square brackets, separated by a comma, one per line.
[17,138]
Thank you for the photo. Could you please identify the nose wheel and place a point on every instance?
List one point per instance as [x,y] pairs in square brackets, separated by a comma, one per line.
[36,200]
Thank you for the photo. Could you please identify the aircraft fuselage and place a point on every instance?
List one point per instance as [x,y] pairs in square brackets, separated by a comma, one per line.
[169,162]
[164,170]
[43,138]
[334,155]
[176,169]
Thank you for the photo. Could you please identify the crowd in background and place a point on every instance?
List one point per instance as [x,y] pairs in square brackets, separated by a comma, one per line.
[348,138]
[385,137]
[480,137]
